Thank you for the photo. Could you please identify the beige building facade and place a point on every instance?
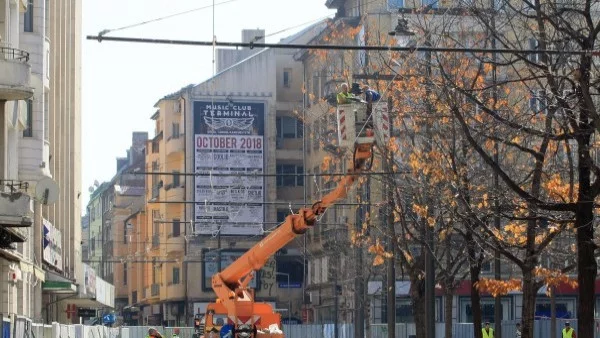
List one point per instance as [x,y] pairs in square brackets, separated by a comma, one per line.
[41,52]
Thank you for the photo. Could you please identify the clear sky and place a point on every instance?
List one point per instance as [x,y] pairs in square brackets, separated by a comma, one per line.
[121,82]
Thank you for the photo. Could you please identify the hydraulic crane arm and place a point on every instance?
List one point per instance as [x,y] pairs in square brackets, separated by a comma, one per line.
[230,285]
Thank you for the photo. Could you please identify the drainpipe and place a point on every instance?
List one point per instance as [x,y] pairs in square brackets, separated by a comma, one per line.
[185,244]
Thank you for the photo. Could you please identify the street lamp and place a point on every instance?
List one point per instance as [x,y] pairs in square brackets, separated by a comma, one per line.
[289,295]
[402,33]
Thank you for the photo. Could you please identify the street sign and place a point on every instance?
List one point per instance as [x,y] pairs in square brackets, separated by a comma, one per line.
[86,313]
[284,285]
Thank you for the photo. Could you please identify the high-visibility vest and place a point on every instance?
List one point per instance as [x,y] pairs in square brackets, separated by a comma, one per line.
[343,98]
[487,334]
[567,334]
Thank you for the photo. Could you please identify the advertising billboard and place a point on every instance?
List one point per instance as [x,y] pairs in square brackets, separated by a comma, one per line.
[52,245]
[229,141]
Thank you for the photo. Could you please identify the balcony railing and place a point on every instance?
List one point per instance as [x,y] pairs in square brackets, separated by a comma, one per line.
[154,290]
[9,53]
[13,186]
[15,204]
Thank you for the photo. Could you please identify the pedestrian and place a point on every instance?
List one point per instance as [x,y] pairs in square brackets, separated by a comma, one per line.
[226,331]
[344,97]
[175,333]
[568,331]
[153,333]
[518,332]
[487,331]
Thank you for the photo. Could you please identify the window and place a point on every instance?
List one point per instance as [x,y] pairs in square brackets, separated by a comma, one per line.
[175,131]
[537,101]
[289,127]
[28,17]
[395,4]
[293,175]
[176,276]
[124,273]
[125,233]
[292,266]
[176,181]
[282,214]
[533,45]
[28,131]
[176,227]
[430,3]
[287,77]
[155,147]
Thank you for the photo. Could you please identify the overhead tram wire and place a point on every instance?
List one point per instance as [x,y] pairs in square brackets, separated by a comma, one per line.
[252,45]
[375,173]
[106,31]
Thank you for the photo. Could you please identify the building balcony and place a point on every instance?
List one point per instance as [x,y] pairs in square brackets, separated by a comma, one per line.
[175,145]
[173,292]
[175,244]
[288,148]
[175,193]
[15,204]
[15,82]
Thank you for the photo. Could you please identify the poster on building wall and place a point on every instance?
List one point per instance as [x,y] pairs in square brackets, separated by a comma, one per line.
[52,245]
[229,143]
[89,280]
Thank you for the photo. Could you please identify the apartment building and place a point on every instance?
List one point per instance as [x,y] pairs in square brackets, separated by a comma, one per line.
[41,151]
[111,203]
[17,223]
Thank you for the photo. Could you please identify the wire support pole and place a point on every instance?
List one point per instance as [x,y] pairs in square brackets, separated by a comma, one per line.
[252,45]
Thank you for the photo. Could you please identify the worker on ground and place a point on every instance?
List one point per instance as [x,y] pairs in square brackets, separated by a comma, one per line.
[344,97]
[153,333]
[226,331]
[487,331]
[175,333]
[518,331]
[568,331]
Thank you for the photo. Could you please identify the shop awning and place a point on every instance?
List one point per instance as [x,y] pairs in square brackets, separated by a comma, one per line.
[57,284]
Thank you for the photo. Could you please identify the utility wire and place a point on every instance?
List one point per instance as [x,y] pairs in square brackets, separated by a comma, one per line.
[106,31]
[237,174]
[252,45]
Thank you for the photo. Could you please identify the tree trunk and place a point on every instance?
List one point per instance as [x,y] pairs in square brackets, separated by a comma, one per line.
[474,271]
[586,262]
[552,313]
[417,295]
[528,311]
[448,298]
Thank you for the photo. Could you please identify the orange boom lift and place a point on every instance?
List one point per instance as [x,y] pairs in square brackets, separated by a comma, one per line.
[235,303]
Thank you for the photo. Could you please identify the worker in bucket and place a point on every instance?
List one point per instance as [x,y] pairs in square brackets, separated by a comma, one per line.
[344,96]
